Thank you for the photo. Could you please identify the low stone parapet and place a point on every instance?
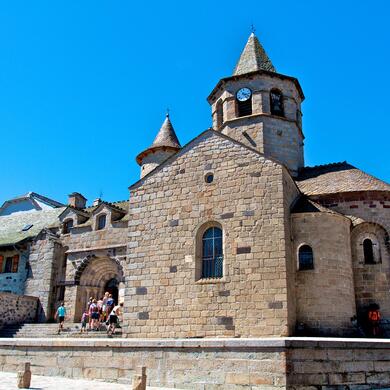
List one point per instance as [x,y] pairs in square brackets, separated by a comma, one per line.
[16,309]
[272,363]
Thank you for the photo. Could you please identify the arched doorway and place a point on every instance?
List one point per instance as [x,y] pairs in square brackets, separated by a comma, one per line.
[112,287]
[94,277]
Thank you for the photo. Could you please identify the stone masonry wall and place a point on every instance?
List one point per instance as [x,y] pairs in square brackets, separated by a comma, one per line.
[325,294]
[44,256]
[280,138]
[372,282]
[15,309]
[163,296]
[210,364]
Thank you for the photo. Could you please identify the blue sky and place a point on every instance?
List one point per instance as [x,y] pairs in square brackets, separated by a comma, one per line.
[84,85]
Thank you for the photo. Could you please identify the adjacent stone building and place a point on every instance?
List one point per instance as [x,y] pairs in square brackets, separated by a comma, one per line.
[229,235]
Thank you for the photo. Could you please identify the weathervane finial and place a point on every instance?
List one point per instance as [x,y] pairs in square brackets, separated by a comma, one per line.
[253,30]
[167,114]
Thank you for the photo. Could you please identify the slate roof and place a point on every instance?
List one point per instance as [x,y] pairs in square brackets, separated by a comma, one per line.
[337,178]
[122,205]
[11,225]
[253,58]
[166,138]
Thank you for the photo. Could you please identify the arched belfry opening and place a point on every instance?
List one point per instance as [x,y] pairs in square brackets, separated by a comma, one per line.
[94,276]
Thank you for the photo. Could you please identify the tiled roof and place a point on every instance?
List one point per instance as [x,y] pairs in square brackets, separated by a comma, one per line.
[11,225]
[253,58]
[122,205]
[337,178]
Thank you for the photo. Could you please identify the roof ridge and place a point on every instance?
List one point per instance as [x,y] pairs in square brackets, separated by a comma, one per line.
[334,164]
[253,58]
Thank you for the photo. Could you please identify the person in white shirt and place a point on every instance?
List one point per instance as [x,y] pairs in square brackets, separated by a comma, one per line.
[114,318]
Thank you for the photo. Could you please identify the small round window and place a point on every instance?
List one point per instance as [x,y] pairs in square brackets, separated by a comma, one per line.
[209,178]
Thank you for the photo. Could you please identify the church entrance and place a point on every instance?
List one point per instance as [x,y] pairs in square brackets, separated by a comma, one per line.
[112,288]
[95,276]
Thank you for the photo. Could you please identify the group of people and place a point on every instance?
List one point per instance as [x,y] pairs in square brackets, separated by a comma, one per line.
[98,313]
[101,312]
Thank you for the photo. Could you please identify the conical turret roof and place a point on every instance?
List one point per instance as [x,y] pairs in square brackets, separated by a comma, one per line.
[253,58]
[166,136]
[165,139]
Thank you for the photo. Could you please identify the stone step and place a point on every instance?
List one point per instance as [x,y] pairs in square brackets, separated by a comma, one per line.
[51,330]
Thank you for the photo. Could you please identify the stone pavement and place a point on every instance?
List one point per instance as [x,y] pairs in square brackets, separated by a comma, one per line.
[8,382]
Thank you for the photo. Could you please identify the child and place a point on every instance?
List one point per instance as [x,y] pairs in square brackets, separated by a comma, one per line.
[60,315]
[84,321]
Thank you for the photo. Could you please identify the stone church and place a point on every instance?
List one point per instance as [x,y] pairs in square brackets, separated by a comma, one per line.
[229,235]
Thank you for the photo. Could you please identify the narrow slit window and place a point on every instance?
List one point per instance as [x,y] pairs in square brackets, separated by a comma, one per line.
[368,251]
[219,110]
[305,258]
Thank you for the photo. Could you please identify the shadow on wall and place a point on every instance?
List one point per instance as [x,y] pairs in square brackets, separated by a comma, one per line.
[17,309]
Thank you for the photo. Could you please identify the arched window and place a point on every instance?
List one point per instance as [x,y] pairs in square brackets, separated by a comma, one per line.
[305,258]
[67,226]
[276,102]
[212,253]
[244,102]
[368,251]
[101,222]
[219,110]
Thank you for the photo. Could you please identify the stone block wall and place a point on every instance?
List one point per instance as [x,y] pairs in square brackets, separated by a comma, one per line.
[210,364]
[277,137]
[164,297]
[15,309]
[370,213]
[325,295]
[338,364]
[45,256]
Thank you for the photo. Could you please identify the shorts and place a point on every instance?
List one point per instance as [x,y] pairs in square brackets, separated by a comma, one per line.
[61,319]
[113,319]
[83,324]
[95,315]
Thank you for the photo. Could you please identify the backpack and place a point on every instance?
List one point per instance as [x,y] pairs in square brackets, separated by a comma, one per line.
[374,315]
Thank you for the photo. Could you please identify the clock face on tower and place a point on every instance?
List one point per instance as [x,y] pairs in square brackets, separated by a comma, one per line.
[244,94]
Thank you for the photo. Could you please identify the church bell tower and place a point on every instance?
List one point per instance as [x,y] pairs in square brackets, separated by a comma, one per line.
[261,108]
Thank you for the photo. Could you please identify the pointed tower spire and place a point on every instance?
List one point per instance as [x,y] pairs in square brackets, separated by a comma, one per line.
[164,145]
[253,58]
[166,136]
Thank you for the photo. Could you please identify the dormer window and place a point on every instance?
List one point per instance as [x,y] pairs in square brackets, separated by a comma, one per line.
[276,102]
[101,221]
[68,224]
[244,102]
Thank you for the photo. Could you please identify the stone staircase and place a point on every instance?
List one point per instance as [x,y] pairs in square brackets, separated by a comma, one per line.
[51,330]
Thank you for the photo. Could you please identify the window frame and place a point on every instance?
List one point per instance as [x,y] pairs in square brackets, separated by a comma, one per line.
[65,226]
[98,219]
[365,260]
[199,232]
[299,263]
[212,265]
[281,113]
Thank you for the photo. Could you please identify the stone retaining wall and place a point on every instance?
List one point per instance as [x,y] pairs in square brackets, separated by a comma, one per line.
[15,309]
[210,364]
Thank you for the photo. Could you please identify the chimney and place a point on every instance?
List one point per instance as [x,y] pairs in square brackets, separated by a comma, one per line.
[96,202]
[77,200]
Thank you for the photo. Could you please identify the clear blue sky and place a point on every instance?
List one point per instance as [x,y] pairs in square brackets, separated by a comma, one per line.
[84,85]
